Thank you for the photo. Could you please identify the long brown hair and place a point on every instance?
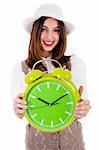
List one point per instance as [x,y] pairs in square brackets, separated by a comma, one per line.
[35,51]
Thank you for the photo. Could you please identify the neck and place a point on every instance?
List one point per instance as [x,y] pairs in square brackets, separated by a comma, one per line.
[46,54]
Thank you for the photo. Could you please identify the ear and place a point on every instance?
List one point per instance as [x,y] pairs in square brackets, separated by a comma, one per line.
[81,90]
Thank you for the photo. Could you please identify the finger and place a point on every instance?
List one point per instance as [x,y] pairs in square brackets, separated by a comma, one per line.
[85,107]
[19,111]
[82,112]
[20,101]
[83,102]
[20,116]
[21,106]
[80,90]
[79,116]
[20,95]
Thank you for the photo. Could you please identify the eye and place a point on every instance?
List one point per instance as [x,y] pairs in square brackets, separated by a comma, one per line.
[43,29]
[57,30]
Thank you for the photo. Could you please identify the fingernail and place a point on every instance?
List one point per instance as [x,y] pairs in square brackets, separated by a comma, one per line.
[77,104]
[25,102]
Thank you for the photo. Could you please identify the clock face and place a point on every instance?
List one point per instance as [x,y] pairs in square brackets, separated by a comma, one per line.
[50,105]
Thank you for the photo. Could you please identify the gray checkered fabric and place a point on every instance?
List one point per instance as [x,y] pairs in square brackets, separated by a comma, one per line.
[70,138]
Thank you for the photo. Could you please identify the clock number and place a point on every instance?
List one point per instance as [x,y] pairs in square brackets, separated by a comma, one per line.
[48,85]
[34,115]
[69,103]
[38,89]
[41,122]
[52,125]
[67,112]
[61,120]
[32,96]
[58,87]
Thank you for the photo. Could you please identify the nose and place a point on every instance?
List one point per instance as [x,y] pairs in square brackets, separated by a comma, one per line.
[49,35]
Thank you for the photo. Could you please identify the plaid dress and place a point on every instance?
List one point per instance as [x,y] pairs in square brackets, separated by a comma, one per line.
[70,138]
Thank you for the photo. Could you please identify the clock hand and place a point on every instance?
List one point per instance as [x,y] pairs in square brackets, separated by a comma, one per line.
[36,98]
[32,106]
[43,101]
[58,98]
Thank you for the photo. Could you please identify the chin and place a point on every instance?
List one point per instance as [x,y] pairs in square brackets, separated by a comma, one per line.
[48,49]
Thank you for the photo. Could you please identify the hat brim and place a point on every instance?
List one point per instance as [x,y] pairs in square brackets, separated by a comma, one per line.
[28,24]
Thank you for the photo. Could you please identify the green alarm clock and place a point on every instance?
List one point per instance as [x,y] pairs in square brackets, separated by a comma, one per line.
[51,99]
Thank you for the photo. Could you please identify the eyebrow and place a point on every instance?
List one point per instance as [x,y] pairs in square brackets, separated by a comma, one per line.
[54,27]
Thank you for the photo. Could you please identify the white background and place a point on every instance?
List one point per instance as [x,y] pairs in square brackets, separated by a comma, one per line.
[13,49]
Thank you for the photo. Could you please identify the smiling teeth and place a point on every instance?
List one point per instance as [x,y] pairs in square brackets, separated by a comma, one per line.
[48,43]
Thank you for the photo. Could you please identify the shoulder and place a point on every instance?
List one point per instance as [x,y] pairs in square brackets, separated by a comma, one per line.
[17,66]
[17,69]
[77,63]
[18,84]
[76,59]
[64,59]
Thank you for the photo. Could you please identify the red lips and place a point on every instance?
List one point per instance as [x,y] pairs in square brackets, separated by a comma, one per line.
[48,43]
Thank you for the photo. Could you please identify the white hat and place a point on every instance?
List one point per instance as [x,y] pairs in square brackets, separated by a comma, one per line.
[48,10]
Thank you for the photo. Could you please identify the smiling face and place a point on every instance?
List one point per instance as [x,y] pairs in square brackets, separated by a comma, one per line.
[49,35]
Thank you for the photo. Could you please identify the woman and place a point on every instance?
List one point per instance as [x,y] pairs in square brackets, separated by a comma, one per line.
[48,39]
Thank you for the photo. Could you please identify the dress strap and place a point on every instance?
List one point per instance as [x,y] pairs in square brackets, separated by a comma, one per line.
[25,67]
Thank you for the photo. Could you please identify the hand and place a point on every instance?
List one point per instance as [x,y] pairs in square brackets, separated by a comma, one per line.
[58,99]
[43,101]
[19,105]
[82,108]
